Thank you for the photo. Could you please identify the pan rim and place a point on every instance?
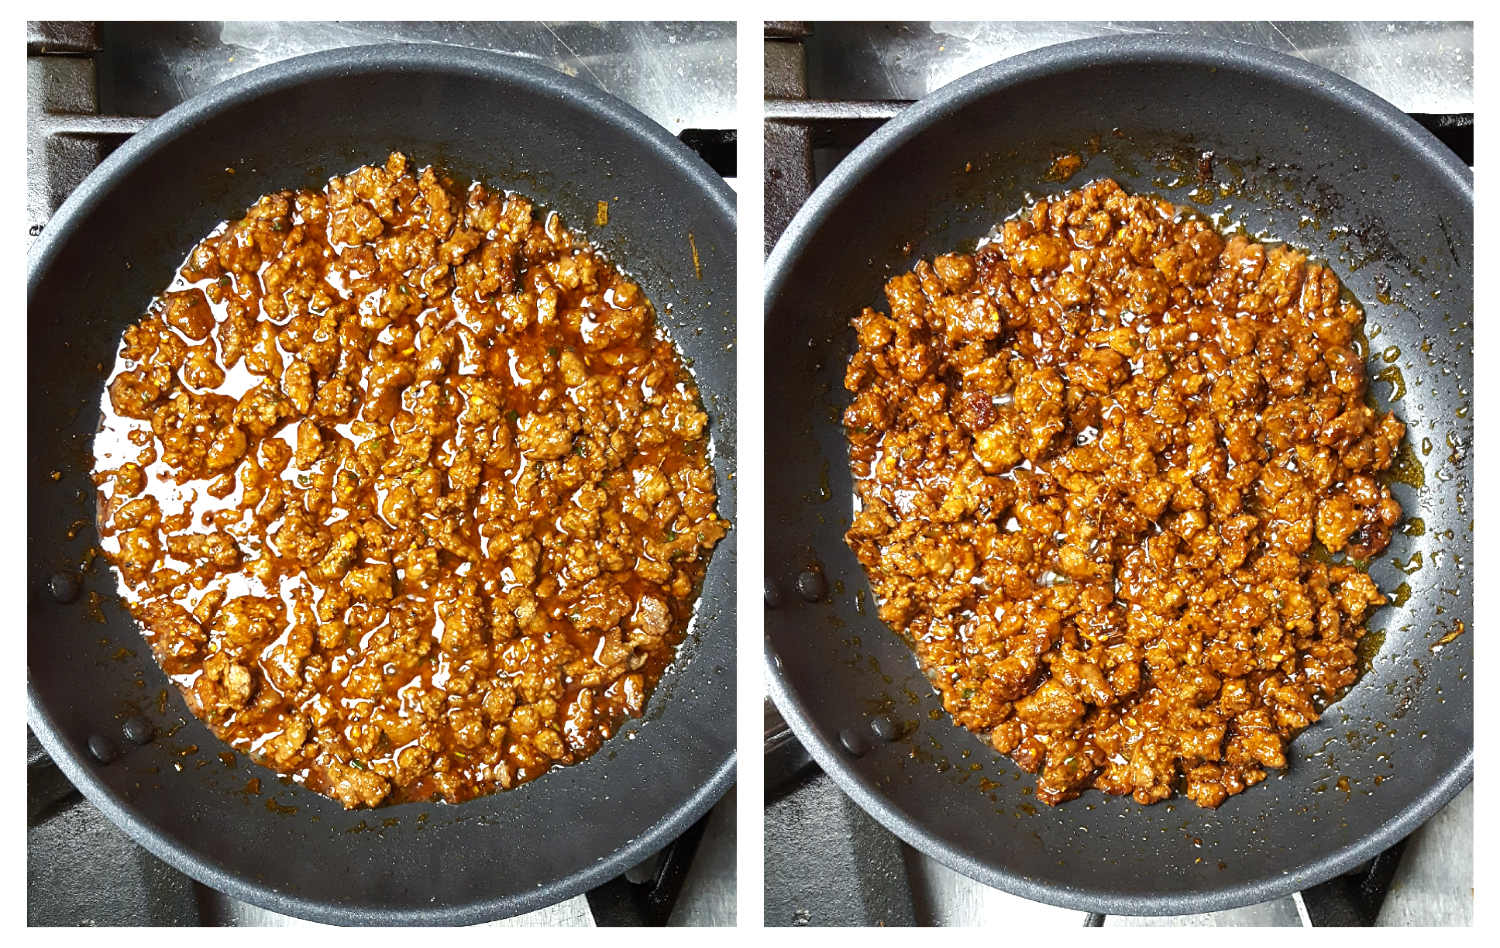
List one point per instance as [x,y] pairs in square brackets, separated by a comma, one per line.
[1113,50]
[912,122]
[869,798]
[465,61]
[470,63]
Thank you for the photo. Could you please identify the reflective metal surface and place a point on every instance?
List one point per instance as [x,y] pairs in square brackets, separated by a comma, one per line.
[708,895]
[1435,884]
[1418,67]
[680,74]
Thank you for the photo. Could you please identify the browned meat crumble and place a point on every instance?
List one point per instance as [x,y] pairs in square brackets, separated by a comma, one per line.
[1101,465]
[411,496]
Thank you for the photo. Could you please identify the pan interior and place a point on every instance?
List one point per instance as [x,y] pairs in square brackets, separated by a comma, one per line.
[477,116]
[1291,161]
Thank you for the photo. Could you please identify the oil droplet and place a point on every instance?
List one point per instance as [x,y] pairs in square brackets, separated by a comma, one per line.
[1392,375]
[601,216]
[1414,527]
[1407,469]
[1411,565]
[1401,594]
[1458,452]
[1426,446]
[1369,647]
[1391,353]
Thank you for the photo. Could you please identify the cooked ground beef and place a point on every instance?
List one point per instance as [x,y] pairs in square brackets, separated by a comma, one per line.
[1115,476]
[410,494]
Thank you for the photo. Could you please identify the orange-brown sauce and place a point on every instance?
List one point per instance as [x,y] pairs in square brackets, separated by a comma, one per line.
[410,494]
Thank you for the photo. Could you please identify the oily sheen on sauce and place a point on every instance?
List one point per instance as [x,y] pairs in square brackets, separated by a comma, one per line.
[410,494]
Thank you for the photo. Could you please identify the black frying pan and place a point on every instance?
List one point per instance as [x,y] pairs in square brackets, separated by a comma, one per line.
[1309,157]
[117,241]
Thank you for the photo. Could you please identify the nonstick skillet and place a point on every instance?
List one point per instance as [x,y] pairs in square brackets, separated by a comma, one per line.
[118,239]
[1297,154]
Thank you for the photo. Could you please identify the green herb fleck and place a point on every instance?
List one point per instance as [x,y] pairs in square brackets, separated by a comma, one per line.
[968,693]
[512,414]
[304,480]
[224,281]
[671,535]
[356,764]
